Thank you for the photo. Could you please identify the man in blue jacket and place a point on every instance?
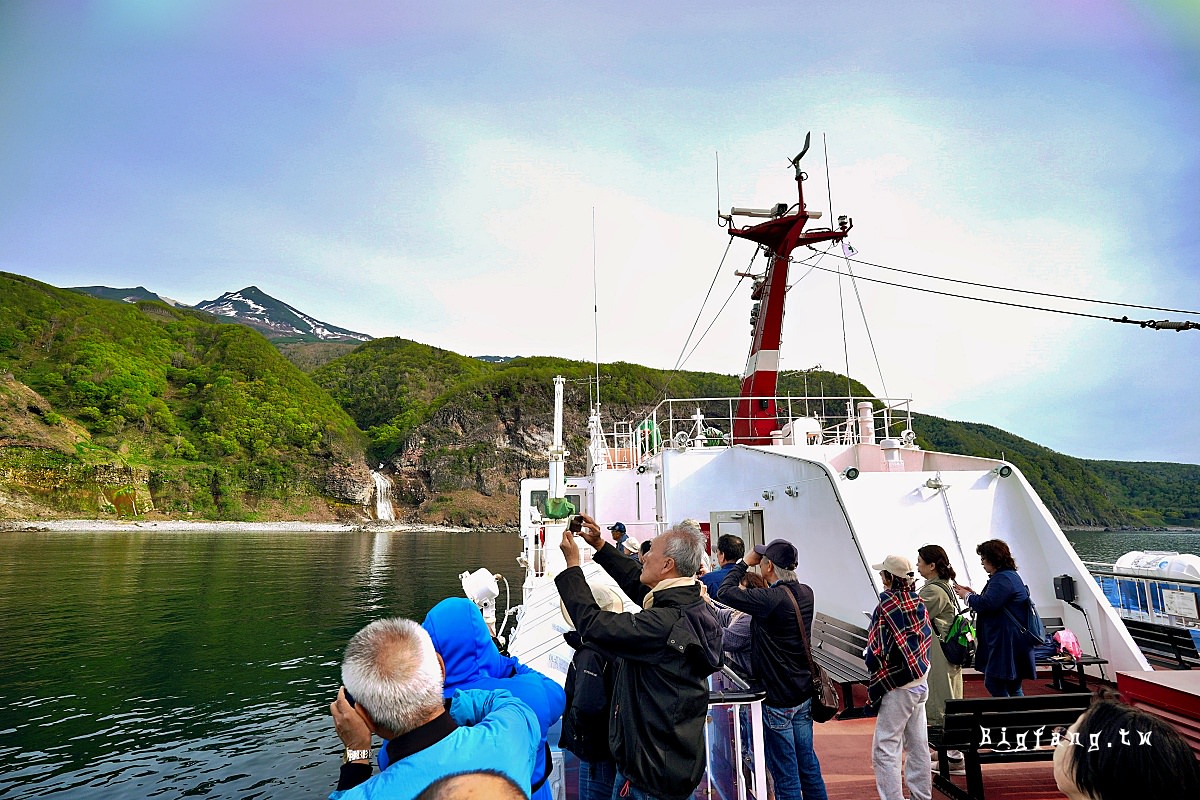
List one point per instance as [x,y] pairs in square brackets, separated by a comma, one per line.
[392,687]
[729,550]
[462,639]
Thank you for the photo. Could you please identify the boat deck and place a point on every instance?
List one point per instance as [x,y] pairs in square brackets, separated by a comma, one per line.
[844,749]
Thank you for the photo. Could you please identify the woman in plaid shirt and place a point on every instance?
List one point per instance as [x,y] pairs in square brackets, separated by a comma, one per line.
[897,655]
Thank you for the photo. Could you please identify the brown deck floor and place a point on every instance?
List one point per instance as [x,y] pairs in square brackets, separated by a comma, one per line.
[844,749]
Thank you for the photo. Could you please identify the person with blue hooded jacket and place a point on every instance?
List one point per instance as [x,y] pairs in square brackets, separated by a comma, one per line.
[462,639]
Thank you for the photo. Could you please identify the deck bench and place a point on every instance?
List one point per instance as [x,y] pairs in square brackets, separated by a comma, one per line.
[838,647]
[1164,645]
[992,730]
[1059,666]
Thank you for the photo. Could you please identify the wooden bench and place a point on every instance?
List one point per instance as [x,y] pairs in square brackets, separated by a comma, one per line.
[1164,645]
[838,646]
[1000,729]
[1059,666]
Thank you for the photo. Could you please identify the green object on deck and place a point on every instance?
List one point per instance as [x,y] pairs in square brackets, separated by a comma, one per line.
[648,436]
[559,507]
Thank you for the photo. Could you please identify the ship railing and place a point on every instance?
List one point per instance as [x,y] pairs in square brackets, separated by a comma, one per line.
[710,421]
[733,739]
[1166,601]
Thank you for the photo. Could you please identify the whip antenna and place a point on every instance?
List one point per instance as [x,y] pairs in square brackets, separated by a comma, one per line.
[828,185]
[717,157]
[595,307]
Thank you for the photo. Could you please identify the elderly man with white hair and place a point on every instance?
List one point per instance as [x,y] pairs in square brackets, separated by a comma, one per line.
[392,687]
[664,655]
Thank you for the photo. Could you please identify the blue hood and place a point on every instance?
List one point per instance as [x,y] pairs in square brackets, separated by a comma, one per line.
[463,640]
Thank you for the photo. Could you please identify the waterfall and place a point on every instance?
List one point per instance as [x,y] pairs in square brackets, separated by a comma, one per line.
[383,497]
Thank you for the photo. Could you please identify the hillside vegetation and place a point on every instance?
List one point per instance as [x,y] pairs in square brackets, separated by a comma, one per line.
[111,407]
[208,417]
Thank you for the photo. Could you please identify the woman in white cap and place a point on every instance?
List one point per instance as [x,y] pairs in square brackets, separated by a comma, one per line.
[897,655]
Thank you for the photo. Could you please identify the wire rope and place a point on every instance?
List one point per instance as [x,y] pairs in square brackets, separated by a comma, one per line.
[867,326]
[981,299]
[1023,291]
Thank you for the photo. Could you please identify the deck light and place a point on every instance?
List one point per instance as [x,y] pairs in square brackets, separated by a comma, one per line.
[850,473]
[1004,470]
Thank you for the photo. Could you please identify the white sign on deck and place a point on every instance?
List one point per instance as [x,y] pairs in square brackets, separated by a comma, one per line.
[1181,604]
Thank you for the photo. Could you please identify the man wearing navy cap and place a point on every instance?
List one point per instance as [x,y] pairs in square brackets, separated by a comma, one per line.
[781,660]
[624,542]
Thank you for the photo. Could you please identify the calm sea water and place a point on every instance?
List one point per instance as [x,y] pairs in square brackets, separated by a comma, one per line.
[173,664]
[1108,547]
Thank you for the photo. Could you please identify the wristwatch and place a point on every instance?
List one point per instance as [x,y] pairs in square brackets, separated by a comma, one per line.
[356,755]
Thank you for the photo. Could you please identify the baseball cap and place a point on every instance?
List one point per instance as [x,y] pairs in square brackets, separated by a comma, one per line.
[619,527]
[781,552]
[897,565]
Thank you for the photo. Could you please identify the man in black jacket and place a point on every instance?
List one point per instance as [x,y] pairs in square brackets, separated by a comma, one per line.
[782,663]
[664,655]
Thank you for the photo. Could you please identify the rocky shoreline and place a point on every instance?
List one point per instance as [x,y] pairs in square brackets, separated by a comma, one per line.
[101,525]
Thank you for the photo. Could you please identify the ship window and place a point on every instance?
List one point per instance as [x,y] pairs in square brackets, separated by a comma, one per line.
[537,499]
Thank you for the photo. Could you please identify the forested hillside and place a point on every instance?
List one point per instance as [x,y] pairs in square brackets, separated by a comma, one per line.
[164,408]
[119,408]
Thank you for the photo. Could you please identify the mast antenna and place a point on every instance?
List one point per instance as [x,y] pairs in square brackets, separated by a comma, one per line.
[717,157]
[595,308]
[828,185]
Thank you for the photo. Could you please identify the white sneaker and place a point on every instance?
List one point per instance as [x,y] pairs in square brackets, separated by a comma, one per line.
[958,766]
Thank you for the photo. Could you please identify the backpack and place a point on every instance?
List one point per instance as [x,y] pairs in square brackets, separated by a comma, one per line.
[958,640]
[589,697]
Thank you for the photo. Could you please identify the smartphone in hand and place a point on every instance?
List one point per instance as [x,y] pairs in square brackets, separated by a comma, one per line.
[576,524]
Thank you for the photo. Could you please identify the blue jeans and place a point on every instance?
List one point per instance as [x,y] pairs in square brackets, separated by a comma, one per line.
[790,755]
[596,779]
[621,792]
[998,687]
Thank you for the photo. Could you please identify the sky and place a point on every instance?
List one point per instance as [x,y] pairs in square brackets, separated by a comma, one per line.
[542,178]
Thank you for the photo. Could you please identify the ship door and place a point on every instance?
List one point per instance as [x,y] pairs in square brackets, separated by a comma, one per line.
[746,525]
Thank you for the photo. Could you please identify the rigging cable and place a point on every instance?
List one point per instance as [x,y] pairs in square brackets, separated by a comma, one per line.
[708,294]
[681,360]
[1155,324]
[714,319]
[1023,291]
[845,343]
[871,339]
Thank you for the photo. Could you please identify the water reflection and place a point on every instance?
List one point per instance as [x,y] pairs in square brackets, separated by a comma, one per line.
[165,664]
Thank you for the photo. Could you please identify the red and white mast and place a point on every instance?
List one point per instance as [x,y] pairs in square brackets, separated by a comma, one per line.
[783,233]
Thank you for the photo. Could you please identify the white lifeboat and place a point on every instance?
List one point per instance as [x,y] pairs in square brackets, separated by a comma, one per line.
[1160,564]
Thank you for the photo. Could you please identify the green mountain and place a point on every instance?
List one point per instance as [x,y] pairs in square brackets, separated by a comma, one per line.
[148,406]
[108,406]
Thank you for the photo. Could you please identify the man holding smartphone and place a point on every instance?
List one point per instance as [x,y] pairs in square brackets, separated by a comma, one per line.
[663,656]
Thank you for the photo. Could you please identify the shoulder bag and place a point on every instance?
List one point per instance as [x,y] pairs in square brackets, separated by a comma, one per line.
[826,702]
[1032,630]
[958,640]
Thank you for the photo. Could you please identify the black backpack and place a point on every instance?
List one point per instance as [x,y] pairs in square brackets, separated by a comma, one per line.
[589,698]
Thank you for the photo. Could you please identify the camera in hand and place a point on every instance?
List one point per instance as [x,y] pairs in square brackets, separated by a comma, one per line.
[576,524]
